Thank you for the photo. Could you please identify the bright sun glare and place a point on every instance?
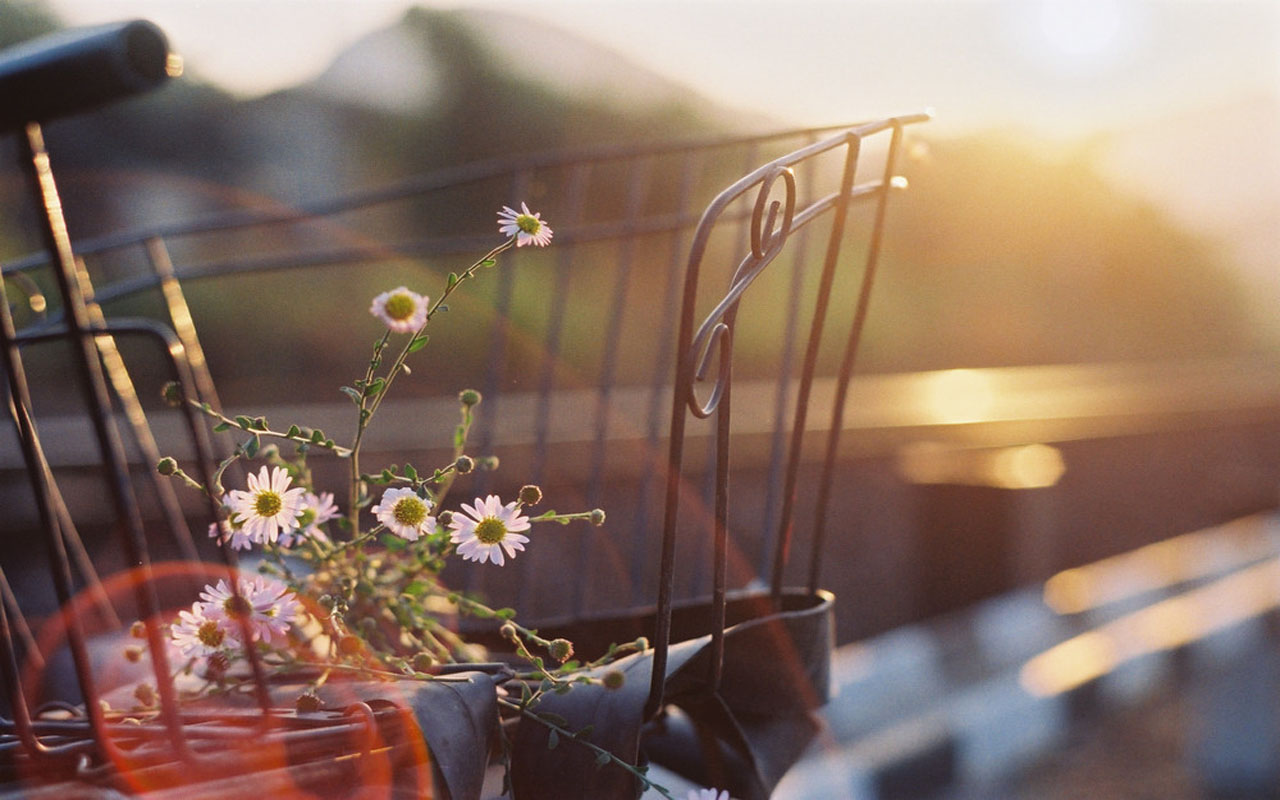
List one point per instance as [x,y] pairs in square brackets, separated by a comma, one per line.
[1081,37]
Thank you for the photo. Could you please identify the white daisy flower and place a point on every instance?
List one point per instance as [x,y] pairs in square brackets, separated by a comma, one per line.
[195,635]
[268,507]
[487,529]
[268,606]
[313,512]
[405,514]
[526,226]
[403,311]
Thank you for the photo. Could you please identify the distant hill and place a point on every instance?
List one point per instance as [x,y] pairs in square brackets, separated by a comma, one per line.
[438,88]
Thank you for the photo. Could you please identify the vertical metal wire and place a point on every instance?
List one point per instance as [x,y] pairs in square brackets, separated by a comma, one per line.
[575,195]
[122,383]
[782,389]
[637,191]
[848,361]
[690,170]
[93,384]
[782,546]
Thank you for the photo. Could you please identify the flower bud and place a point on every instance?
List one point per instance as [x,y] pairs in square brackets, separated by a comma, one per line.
[597,517]
[560,649]
[469,397]
[172,393]
[137,630]
[613,679]
[530,495]
[133,654]
[166,466]
[145,694]
[508,631]
[423,662]
[488,463]
[642,644]
[464,464]
[307,702]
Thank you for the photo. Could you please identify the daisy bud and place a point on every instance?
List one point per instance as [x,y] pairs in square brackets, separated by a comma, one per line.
[166,466]
[560,649]
[464,464]
[145,694]
[488,463]
[307,702]
[530,495]
[642,644]
[133,654]
[137,630]
[508,631]
[423,662]
[597,517]
[172,393]
[613,679]
[469,397]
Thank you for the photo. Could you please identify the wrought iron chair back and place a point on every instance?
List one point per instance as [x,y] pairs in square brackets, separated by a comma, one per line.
[188,750]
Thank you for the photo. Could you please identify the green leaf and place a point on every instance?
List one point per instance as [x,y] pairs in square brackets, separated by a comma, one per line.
[375,387]
[410,472]
[418,343]
[221,426]
[460,436]
[354,394]
[244,422]
[251,447]
[602,758]
[489,262]
[294,431]
[392,542]
[317,436]
[505,613]
[585,733]
[453,280]
[416,588]
[387,476]
[260,423]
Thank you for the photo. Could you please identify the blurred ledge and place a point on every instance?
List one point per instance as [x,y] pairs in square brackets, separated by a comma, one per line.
[964,705]
[950,409]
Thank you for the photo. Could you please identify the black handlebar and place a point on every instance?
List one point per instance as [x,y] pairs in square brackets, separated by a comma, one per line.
[77,70]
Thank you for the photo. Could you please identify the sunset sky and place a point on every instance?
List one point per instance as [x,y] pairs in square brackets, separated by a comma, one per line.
[1061,67]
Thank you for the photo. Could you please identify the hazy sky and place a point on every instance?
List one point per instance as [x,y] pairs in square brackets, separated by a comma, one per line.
[1066,66]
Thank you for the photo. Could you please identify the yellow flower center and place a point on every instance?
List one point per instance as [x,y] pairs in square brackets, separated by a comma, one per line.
[267,504]
[529,224]
[409,511]
[237,607]
[209,634]
[400,306]
[491,530]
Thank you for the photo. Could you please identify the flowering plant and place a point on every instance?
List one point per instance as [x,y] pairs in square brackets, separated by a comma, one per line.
[336,596]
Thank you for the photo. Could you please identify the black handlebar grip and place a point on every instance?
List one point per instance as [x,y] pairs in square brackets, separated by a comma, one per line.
[76,70]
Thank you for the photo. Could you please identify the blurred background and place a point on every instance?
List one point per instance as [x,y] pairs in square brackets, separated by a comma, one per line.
[1072,350]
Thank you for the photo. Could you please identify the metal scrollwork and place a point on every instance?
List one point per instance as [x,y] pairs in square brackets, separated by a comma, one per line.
[771,223]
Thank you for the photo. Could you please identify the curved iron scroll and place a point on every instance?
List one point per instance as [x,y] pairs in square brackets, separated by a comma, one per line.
[774,220]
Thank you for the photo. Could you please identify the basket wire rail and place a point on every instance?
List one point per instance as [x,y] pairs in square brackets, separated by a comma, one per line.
[788,212]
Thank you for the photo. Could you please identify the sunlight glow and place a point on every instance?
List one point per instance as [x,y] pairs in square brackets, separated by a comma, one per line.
[1163,626]
[959,395]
